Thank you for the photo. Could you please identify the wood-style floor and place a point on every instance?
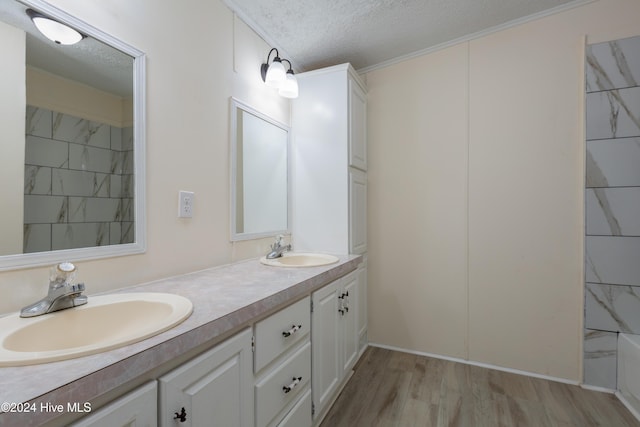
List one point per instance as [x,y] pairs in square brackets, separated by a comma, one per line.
[391,388]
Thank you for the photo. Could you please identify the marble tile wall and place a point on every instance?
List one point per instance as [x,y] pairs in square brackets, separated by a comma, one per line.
[78,189]
[612,204]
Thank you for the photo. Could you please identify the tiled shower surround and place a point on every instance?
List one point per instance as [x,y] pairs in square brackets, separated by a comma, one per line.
[612,258]
[78,185]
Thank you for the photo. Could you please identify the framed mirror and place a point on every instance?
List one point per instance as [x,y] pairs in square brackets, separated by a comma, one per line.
[73,142]
[260,184]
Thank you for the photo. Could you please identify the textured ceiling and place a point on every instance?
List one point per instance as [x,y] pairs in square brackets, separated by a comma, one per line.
[90,62]
[367,33]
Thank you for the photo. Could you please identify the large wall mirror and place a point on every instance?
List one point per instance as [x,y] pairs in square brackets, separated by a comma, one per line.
[260,191]
[72,123]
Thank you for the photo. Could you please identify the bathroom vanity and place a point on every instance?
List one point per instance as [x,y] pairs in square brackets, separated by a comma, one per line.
[243,357]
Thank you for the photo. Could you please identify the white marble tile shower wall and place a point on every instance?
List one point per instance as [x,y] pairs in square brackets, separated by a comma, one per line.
[612,204]
[600,351]
[78,187]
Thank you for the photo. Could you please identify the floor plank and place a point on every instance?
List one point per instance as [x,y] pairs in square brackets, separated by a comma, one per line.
[390,388]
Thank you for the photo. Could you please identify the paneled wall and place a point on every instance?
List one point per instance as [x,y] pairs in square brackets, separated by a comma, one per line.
[78,182]
[612,199]
[476,194]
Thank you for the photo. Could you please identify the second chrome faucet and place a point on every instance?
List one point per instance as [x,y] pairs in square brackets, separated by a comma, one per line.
[277,249]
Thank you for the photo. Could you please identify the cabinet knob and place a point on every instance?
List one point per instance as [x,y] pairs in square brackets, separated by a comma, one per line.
[182,416]
[291,331]
[288,388]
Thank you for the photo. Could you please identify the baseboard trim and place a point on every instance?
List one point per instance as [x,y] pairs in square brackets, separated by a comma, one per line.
[479,364]
[598,388]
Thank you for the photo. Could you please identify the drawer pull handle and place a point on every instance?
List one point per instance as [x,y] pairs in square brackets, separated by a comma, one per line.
[291,331]
[293,385]
[182,416]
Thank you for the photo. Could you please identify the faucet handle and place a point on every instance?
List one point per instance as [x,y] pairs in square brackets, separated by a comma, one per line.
[278,242]
[79,287]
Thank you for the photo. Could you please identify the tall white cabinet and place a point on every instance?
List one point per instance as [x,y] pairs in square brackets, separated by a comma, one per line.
[329,130]
[330,162]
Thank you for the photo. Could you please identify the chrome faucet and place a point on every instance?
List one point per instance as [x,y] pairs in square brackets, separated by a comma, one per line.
[63,293]
[277,249]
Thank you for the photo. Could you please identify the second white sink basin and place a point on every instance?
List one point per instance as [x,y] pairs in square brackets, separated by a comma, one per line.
[299,259]
[104,323]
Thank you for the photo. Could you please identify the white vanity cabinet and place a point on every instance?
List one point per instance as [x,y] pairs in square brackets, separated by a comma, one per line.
[214,389]
[137,408]
[334,321]
[282,366]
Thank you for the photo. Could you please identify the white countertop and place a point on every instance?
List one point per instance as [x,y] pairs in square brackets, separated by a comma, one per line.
[225,299]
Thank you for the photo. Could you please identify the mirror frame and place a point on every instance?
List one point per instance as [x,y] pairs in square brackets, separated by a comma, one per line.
[236,105]
[35,259]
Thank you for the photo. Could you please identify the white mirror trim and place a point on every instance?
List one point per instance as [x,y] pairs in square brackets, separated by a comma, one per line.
[235,236]
[17,261]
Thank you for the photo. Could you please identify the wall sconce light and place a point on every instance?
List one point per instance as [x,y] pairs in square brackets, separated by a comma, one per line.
[275,76]
[54,30]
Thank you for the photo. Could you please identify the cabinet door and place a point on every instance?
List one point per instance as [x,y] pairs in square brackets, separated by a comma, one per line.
[349,322]
[357,211]
[325,338]
[137,408]
[214,389]
[357,126]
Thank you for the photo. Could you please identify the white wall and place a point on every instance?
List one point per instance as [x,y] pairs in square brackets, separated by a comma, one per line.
[191,47]
[476,194]
[12,124]
[61,95]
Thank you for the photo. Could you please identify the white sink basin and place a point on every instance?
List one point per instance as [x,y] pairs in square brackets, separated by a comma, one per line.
[104,323]
[299,259]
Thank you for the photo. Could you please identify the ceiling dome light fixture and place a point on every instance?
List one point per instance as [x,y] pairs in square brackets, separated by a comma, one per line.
[275,76]
[54,30]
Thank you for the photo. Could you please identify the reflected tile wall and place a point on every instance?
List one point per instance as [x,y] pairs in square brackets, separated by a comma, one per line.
[613,162]
[613,113]
[613,65]
[81,235]
[613,308]
[600,358]
[612,204]
[613,211]
[81,131]
[78,182]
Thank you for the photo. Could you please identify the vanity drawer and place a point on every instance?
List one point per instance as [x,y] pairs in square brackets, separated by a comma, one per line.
[281,331]
[271,395]
[300,414]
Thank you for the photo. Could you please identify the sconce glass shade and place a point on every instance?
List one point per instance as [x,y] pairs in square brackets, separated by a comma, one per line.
[54,30]
[275,74]
[289,88]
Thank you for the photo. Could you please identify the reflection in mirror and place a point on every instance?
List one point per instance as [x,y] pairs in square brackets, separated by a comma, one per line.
[260,171]
[73,142]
